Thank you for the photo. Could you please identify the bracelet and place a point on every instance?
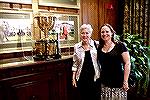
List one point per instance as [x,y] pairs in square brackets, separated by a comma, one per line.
[125,81]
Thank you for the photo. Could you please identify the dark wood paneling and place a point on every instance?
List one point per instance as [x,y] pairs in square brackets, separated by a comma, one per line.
[98,12]
[89,15]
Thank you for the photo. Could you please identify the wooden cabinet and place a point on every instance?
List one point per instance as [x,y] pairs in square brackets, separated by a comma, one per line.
[36,81]
[27,88]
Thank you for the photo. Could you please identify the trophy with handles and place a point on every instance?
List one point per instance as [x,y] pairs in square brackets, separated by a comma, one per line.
[46,24]
[46,48]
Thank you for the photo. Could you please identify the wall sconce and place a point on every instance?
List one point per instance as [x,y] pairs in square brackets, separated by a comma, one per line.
[109,6]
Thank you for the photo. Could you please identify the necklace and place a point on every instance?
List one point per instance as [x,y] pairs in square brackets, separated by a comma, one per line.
[86,47]
[108,48]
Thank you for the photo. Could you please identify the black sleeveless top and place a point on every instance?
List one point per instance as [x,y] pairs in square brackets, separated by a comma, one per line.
[111,66]
[87,72]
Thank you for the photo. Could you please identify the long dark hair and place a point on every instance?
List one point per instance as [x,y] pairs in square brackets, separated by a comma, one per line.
[101,41]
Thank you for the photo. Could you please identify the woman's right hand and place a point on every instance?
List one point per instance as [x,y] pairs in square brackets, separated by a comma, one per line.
[74,83]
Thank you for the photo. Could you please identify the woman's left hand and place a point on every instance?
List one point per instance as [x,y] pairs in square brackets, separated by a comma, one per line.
[125,86]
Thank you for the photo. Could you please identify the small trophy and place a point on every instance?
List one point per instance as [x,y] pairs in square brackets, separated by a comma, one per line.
[43,51]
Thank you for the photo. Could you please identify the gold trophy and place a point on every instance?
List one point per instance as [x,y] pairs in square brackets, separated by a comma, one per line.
[43,51]
[46,24]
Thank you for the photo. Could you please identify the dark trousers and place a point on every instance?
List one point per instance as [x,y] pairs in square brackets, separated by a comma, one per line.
[88,91]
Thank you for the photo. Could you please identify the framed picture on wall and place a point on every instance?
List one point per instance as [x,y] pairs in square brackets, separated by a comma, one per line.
[61,3]
[67,28]
[15,31]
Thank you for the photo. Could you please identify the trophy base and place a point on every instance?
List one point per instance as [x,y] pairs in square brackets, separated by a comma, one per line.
[38,58]
[57,56]
[46,57]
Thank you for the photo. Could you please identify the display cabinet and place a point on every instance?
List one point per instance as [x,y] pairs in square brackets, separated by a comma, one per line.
[59,35]
[20,32]
[42,80]
[15,34]
[26,32]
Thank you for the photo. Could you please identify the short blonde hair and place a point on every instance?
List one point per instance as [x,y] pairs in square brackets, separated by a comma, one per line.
[86,26]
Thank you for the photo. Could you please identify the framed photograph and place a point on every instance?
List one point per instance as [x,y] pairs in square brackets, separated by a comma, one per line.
[15,31]
[67,27]
[61,3]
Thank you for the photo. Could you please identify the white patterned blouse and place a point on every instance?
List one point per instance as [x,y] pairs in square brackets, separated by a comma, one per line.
[78,58]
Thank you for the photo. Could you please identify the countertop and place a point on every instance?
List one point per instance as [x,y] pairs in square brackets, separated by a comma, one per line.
[23,61]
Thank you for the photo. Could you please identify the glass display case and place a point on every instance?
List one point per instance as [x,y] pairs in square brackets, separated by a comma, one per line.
[64,29]
[15,35]
[23,35]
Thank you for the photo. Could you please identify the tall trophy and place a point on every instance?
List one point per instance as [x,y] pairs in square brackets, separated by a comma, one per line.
[45,48]
[46,24]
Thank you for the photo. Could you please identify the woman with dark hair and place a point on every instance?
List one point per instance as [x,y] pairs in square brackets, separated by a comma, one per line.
[112,54]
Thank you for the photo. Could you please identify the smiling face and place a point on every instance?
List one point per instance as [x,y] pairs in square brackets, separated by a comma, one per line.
[85,35]
[106,33]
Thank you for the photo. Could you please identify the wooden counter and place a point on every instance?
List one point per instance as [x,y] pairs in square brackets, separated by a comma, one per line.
[41,80]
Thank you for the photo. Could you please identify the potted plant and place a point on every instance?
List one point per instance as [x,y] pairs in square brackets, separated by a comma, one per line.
[139,62]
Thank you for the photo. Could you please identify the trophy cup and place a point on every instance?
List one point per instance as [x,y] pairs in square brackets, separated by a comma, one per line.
[46,24]
[43,51]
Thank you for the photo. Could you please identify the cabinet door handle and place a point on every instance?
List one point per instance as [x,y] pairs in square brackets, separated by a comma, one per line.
[33,97]
[32,69]
[60,73]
